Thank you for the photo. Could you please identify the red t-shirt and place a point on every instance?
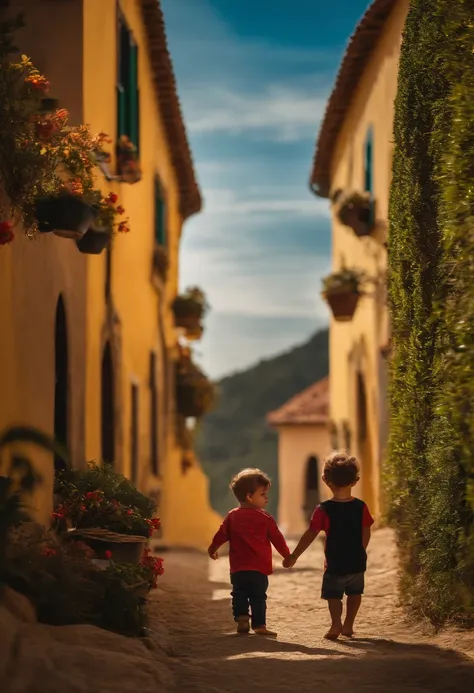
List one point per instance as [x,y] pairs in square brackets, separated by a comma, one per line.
[250,533]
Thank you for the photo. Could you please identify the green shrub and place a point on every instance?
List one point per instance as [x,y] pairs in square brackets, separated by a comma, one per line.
[431,289]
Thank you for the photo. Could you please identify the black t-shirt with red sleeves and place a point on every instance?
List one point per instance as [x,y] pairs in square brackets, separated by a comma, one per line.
[342,521]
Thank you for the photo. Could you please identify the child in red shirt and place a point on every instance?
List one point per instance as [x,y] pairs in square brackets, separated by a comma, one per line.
[250,532]
[346,521]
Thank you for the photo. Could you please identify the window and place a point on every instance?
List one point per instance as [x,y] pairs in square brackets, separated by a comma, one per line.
[160,215]
[128,100]
[134,434]
[154,452]
[368,162]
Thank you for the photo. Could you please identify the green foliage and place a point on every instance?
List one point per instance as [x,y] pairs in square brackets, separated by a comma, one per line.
[235,435]
[103,477]
[431,288]
[65,587]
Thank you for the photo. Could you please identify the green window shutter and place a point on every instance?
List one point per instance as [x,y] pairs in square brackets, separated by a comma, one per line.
[160,216]
[368,162]
[132,96]
[123,76]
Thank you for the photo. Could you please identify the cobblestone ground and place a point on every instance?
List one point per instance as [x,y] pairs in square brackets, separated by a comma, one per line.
[385,656]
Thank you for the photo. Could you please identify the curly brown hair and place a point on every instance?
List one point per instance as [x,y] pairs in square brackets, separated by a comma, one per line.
[247,481]
[341,469]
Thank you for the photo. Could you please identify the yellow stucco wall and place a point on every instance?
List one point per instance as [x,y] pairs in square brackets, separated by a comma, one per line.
[355,346]
[142,315]
[295,445]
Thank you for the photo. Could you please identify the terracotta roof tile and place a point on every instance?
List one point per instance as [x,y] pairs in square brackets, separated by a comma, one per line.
[308,407]
[355,60]
[168,102]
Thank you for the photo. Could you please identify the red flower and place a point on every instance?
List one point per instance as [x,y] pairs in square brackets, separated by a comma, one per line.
[120,210]
[38,82]
[129,512]
[113,197]
[47,551]
[108,554]
[6,232]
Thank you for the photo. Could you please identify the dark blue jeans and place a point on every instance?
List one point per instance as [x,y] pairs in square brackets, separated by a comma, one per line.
[250,590]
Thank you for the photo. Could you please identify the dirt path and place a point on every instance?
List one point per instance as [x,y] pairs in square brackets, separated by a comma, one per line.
[386,655]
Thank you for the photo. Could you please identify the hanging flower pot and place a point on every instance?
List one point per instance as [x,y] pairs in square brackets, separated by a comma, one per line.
[189,308]
[356,211]
[128,164]
[93,242]
[67,215]
[341,290]
[194,392]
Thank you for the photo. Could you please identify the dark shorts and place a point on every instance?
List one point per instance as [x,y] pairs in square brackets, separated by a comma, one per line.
[336,586]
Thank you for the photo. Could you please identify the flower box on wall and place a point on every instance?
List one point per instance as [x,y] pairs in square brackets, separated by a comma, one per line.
[195,393]
[93,242]
[341,291]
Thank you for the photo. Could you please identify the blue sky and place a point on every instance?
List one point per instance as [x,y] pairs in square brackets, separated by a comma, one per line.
[253,78]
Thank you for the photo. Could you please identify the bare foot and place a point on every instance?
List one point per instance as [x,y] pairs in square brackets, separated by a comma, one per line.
[334,632]
[262,630]
[347,633]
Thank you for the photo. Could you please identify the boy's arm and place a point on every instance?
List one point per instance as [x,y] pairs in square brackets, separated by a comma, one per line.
[220,537]
[277,539]
[367,522]
[306,540]
[318,523]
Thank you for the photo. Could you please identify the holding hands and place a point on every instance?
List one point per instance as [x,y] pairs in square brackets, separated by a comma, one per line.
[289,561]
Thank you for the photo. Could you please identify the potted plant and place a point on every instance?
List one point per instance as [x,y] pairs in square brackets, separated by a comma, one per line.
[139,578]
[189,308]
[127,161]
[106,511]
[105,223]
[341,290]
[40,155]
[195,393]
[356,210]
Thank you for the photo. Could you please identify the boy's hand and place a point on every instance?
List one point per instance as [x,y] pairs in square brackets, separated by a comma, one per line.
[212,554]
[289,561]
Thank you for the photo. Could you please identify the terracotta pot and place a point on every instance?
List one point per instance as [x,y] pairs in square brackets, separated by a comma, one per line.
[93,242]
[343,305]
[67,215]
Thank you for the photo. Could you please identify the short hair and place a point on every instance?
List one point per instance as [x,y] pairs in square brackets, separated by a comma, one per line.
[247,481]
[341,469]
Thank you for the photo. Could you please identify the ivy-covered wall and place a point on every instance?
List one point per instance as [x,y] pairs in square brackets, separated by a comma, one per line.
[430,471]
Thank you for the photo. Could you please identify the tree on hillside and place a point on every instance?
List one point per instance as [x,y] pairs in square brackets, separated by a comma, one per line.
[431,288]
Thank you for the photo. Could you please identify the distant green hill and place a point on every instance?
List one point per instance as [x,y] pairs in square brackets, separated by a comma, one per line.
[235,435]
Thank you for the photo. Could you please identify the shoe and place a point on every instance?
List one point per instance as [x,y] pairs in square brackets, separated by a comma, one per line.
[263,630]
[243,624]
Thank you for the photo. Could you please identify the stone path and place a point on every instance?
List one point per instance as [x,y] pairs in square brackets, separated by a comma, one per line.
[386,655]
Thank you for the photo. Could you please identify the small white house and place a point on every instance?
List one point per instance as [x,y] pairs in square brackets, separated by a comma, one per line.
[303,442]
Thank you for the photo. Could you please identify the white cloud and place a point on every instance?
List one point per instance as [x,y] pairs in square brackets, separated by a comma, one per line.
[281,112]
[222,201]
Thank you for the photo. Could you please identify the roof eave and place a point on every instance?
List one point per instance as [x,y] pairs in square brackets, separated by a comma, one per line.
[190,200]
[358,52]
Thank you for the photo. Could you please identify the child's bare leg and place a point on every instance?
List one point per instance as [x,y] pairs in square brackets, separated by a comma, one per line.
[352,607]
[335,609]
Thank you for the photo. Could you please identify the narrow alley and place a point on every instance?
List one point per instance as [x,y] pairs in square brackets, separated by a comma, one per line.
[386,654]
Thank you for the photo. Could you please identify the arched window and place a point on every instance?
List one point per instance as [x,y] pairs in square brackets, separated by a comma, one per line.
[61,386]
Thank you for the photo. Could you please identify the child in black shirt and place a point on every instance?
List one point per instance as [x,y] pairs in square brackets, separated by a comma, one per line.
[346,521]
